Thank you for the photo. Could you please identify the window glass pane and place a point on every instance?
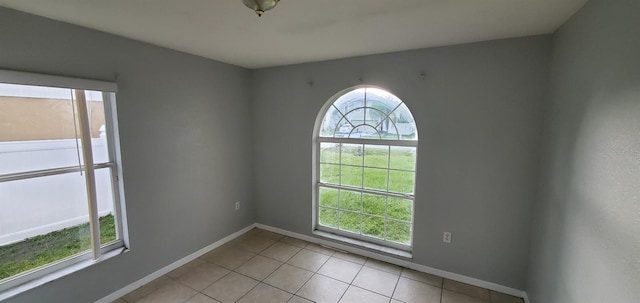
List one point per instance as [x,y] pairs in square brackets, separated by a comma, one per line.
[42,220]
[330,173]
[388,130]
[350,200]
[38,130]
[373,226]
[382,100]
[356,116]
[328,197]
[365,132]
[352,154]
[328,217]
[401,181]
[376,156]
[349,221]
[403,158]
[350,101]
[401,209]
[343,129]
[404,123]
[330,122]
[374,204]
[97,127]
[399,232]
[106,205]
[374,117]
[330,153]
[351,176]
[375,178]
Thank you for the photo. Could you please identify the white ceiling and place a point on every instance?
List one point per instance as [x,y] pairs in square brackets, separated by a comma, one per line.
[298,31]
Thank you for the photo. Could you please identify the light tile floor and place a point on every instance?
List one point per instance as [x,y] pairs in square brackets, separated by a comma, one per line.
[262,266]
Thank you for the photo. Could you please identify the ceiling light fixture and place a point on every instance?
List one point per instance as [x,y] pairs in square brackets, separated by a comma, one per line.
[260,6]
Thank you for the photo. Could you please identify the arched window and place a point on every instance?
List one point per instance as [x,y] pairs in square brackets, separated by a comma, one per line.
[366,144]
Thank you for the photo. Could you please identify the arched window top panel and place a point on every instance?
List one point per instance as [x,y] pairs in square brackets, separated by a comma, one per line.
[368,113]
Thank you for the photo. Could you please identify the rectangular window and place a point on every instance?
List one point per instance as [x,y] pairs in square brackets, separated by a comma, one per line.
[366,190]
[60,186]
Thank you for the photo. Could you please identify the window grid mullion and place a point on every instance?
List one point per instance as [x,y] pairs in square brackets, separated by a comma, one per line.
[367,191]
[401,143]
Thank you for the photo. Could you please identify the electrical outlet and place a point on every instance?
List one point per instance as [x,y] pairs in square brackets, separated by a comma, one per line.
[446,237]
[237,205]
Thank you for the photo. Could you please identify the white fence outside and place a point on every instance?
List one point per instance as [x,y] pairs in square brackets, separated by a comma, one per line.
[38,206]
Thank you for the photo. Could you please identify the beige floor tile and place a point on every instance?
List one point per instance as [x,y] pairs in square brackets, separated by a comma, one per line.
[384,266]
[294,241]
[281,251]
[413,291]
[497,297]
[266,294]
[396,301]
[259,267]
[230,288]
[376,280]
[200,298]
[169,292]
[253,243]
[320,249]
[271,235]
[454,297]
[309,260]
[253,232]
[339,269]
[228,256]
[350,257]
[145,289]
[202,276]
[176,273]
[422,277]
[321,289]
[359,295]
[297,299]
[289,278]
[469,290]
[119,301]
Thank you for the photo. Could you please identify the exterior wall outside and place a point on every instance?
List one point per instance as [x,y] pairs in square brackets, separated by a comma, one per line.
[25,119]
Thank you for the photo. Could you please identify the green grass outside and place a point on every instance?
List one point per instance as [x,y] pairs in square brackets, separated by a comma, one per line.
[372,215]
[54,246]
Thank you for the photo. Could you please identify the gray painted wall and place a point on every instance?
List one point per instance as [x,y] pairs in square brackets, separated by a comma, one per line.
[186,144]
[479,113]
[586,235]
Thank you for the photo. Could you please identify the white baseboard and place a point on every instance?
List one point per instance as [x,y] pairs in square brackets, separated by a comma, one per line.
[157,274]
[399,262]
[525,297]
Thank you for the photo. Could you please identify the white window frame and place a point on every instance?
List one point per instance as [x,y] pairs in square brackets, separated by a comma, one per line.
[32,278]
[317,184]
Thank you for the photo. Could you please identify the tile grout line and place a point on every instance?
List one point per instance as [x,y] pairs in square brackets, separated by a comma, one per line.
[396,287]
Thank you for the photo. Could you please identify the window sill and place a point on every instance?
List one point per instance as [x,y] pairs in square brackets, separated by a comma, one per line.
[362,244]
[11,292]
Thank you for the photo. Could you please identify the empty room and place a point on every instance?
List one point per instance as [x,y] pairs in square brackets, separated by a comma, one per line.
[207,151]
